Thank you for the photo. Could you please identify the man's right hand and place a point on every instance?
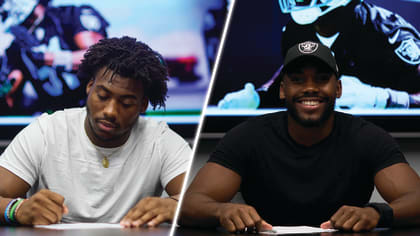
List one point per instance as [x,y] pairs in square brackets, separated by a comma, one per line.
[241,218]
[43,208]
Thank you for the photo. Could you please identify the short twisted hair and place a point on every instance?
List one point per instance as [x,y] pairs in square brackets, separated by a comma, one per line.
[129,58]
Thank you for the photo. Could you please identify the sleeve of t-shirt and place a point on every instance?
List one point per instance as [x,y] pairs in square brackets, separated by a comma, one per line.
[23,155]
[396,32]
[233,149]
[384,149]
[176,155]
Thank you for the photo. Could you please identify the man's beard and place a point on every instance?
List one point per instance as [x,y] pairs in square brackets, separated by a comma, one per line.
[329,109]
[91,122]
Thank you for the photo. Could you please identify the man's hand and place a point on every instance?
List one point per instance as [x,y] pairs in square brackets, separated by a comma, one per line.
[246,98]
[353,219]
[360,95]
[151,211]
[43,208]
[241,218]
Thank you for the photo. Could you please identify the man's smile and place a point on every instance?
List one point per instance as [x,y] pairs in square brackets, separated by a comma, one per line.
[310,103]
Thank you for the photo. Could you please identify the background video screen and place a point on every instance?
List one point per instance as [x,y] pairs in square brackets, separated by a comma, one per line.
[376,44]
[185,32]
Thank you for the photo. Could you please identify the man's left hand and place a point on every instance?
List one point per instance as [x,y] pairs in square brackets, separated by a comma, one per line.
[353,219]
[151,211]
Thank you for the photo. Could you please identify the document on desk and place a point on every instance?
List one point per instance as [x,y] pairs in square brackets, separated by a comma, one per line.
[295,230]
[80,226]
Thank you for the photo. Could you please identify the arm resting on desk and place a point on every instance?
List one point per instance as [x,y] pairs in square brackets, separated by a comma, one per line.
[44,207]
[399,185]
[155,210]
[206,201]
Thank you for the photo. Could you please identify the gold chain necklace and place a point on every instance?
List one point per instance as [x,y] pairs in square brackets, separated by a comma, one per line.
[105,162]
[105,158]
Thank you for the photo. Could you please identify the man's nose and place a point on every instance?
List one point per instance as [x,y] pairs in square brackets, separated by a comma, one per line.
[111,109]
[310,85]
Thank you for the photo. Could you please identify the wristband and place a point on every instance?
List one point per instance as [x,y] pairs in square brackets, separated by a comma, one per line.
[7,210]
[398,99]
[15,207]
[385,212]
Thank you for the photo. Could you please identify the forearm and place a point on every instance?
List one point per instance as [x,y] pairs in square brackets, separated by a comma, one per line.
[407,209]
[199,210]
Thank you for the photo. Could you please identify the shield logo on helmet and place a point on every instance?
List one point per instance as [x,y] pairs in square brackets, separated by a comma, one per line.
[308,47]
[409,52]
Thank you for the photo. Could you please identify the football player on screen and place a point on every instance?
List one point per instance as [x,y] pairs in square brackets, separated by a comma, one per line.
[377,52]
[49,43]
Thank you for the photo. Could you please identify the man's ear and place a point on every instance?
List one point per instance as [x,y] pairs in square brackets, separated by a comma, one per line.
[89,86]
[339,89]
[144,105]
[281,90]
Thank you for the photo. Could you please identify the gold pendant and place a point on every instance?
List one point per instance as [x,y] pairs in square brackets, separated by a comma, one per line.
[105,162]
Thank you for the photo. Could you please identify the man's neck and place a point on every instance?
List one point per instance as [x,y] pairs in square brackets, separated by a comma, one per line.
[308,136]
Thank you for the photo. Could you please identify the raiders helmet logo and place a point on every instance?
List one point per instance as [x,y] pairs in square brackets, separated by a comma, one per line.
[89,20]
[308,47]
[409,52]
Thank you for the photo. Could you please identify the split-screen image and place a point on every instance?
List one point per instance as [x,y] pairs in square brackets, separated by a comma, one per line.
[213,117]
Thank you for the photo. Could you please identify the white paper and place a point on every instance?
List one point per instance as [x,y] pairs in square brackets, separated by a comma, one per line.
[295,230]
[80,226]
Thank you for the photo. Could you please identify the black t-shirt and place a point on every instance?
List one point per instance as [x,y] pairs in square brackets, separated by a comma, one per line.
[290,184]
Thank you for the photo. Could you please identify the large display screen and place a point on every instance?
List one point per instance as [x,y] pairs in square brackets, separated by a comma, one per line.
[185,32]
[376,45]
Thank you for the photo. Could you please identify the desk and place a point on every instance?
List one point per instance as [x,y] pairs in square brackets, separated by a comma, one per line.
[182,231]
[162,230]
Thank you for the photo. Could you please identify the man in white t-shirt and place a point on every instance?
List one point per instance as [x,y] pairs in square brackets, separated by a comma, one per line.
[101,163]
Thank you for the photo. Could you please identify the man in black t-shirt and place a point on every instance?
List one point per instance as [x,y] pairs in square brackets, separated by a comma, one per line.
[307,166]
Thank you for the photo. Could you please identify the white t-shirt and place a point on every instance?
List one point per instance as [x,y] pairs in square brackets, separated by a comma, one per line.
[54,152]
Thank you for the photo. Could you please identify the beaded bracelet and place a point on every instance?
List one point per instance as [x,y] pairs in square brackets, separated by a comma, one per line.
[6,212]
[12,213]
[17,208]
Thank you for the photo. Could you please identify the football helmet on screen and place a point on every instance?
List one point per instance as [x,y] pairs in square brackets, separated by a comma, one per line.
[306,12]
[14,12]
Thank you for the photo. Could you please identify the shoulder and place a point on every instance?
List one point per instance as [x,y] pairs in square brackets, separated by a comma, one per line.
[360,130]
[160,139]
[381,19]
[61,125]
[269,120]
[153,131]
[366,10]
[351,122]
[259,125]
[67,117]
[150,127]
